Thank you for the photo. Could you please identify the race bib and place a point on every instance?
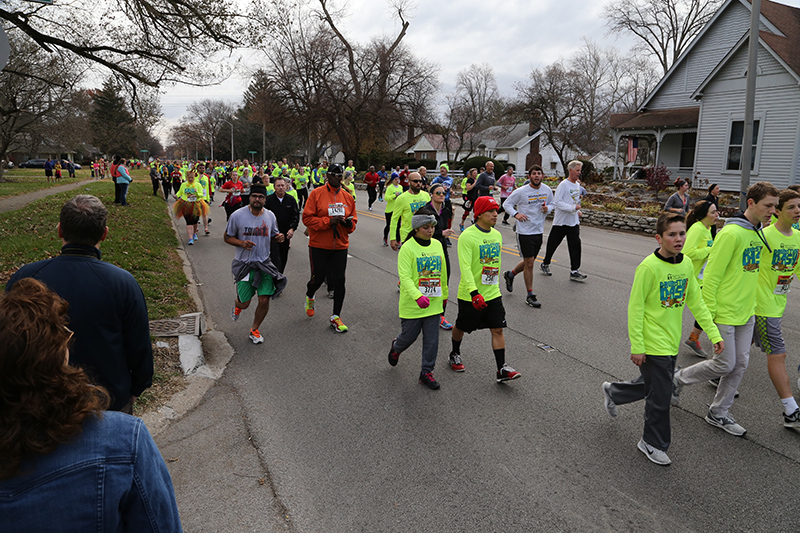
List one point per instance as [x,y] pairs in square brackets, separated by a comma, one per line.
[192,197]
[782,287]
[430,287]
[336,210]
[490,275]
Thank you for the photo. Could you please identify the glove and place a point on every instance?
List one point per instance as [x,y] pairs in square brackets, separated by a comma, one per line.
[423,302]
[478,302]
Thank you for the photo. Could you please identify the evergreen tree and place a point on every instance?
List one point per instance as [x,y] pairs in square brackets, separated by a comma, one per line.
[113,125]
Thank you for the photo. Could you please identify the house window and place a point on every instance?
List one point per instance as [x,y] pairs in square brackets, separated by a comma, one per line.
[553,165]
[688,143]
[734,161]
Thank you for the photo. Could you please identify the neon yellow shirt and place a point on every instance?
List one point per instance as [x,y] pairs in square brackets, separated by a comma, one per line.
[421,268]
[405,206]
[698,246]
[655,307]
[191,192]
[776,271]
[479,259]
[391,194]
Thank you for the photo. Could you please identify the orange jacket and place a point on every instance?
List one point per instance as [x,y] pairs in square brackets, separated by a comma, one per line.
[322,203]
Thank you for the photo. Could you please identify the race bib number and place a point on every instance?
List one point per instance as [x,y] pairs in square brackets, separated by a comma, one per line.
[336,210]
[490,275]
[430,287]
[782,287]
[192,197]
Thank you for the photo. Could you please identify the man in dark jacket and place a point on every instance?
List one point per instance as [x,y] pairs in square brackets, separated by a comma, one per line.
[107,310]
[287,212]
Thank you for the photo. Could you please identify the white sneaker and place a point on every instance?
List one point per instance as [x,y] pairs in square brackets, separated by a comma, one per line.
[726,423]
[654,454]
[611,407]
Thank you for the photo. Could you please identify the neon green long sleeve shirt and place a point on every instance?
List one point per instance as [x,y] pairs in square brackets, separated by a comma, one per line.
[731,275]
[423,272]
[479,259]
[392,192]
[659,294]
[404,207]
[776,271]
[698,246]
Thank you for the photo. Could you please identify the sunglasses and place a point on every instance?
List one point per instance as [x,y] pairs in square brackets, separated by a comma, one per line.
[439,192]
[415,181]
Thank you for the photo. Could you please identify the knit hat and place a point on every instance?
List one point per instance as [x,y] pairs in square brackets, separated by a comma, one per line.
[258,189]
[417,221]
[483,204]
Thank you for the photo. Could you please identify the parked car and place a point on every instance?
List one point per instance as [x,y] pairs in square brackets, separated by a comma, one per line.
[33,163]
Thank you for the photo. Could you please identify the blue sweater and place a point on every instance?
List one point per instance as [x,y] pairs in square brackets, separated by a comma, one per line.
[108,314]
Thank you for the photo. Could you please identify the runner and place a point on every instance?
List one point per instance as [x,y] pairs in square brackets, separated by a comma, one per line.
[233,188]
[301,185]
[405,206]
[251,230]
[190,204]
[423,291]
[701,219]
[663,282]
[480,304]
[730,281]
[383,176]
[372,179]
[779,261]
[566,222]
[205,182]
[447,181]
[287,216]
[330,217]
[506,184]
[529,205]
[393,190]
[441,233]
[469,194]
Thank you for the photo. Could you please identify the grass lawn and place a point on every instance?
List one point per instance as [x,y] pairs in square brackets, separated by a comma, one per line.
[140,240]
[24,180]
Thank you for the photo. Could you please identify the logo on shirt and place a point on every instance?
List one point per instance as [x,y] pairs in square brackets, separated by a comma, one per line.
[429,266]
[751,257]
[784,259]
[489,252]
[261,231]
[415,206]
[673,292]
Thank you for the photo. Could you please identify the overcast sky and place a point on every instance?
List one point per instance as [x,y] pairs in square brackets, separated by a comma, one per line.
[514,37]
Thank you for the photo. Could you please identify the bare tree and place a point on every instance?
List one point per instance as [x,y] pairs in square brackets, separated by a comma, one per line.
[207,119]
[664,27]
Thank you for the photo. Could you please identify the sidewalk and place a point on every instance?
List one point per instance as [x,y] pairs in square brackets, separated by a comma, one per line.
[16,202]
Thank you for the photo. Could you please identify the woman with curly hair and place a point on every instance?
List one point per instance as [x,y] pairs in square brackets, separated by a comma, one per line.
[65,463]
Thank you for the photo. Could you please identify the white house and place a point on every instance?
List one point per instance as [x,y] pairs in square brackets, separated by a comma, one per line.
[695,115]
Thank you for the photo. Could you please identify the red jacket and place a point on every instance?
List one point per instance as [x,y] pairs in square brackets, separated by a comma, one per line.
[322,203]
[372,179]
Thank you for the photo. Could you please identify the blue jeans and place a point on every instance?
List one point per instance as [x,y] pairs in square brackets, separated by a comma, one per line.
[123,193]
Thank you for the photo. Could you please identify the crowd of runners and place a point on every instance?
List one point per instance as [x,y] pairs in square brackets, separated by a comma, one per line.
[734,282]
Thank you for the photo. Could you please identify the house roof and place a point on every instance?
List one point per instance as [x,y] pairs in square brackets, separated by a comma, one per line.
[686,117]
[507,136]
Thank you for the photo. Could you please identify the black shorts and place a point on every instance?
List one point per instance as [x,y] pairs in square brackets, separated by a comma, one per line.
[493,316]
[529,245]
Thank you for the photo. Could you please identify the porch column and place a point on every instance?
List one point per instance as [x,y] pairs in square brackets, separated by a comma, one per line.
[616,156]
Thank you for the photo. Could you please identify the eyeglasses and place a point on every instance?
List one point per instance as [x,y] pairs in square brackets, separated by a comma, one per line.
[258,196]
[415,181]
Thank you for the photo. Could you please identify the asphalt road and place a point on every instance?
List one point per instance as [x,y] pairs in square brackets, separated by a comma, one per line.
[352,444]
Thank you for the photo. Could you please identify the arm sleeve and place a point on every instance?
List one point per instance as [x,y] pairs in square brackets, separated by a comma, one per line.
[406,272]
[550,202]
[351,207]
[692,250]
[642,284]
[718,259]
[698,308]
[563,200]
[465,252]
[510,204]
[310,218]
[398,207]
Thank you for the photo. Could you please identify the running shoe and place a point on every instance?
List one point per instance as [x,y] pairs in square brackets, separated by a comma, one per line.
[426,378]
[792,420]
[447,241]
[726,423]
[337,324]
[715,383]
[370,208]
[696,348]
[506,373]
[208,232]
[444,324]
[309,306]
[385,242]
[235,312]
[505,222]
[455,362]
[611,407]
[532,301]
[191,242]
[393,355]
[654,454]
[461,227]
[509,277]
[575,275]
[545,269]
[256,337]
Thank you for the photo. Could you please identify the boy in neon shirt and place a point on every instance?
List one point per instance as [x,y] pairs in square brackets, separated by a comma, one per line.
[663,284]
[730,281]
[777,269]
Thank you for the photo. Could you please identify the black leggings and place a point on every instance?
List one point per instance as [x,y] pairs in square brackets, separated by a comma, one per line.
[372,194]
[229,209]
[330,265]
[388,217]
[302,197]
[573,235]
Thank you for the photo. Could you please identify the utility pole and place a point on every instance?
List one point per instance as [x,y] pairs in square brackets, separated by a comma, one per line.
[749,103]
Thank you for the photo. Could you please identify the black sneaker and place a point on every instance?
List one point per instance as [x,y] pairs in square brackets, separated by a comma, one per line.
[532,301]
[545,269]
[393,355]
[575,275]
[509,277]
[792,420]
[426,378]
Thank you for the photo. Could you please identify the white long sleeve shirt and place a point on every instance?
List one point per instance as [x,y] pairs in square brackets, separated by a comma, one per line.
[528,201]
[567,197]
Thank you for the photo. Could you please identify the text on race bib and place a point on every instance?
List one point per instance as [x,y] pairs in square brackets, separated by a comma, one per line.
[490,275]
[336,210]
[430,287]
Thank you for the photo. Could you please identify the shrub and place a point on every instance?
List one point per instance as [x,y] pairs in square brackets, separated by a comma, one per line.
[615,207]
[657,178]
[430,164]
[478,162]
[652,210]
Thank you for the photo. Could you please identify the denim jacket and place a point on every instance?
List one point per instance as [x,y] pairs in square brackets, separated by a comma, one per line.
[110,478]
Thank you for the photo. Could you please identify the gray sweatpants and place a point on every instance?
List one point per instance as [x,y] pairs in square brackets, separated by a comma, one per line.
[729,366]
[654,386]
[410,328]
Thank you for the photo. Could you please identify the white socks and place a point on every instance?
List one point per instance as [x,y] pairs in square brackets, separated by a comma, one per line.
[789,405]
